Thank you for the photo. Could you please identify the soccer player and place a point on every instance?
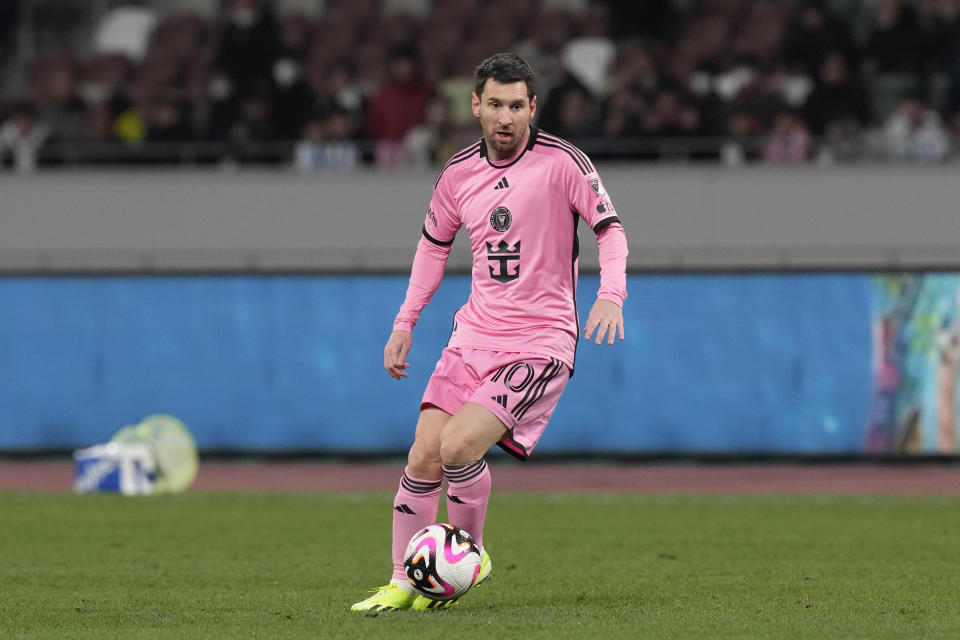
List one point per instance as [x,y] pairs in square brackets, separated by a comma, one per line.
[520,193]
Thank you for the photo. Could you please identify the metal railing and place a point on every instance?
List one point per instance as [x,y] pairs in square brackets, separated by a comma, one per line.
[868,148]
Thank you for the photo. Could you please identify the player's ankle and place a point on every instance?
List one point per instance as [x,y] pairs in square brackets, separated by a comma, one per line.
[404,584]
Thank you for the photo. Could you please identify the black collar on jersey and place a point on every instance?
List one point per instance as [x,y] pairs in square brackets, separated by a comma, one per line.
[530,142]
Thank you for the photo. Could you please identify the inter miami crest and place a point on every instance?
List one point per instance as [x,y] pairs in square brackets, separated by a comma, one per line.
[597,186]
[501,219]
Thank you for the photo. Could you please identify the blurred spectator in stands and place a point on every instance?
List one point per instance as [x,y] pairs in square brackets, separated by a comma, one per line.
[433,141]
[894,43]
[397,106]
[130,124]
[326,144]
[634,81]
[293,101]
[700,85]
[223,105]
[167,121]
[838,104]
[741,132]
[549,114]
[811,32]
[621,113]
[736,77]
[783,83]
[341,88]
[248,46]
[789,141]
[98,126]
[940,32]
[22,136]
[670,114]
[58,103]
[952,69]
[915,132]
[254,120]
[635,67]
[673,124]
[577,117]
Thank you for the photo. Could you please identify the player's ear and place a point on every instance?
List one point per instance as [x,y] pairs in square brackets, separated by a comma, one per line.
[533,107]
[475,101]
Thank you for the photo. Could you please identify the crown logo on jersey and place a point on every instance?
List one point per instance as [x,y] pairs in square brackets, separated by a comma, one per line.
[501,219]
[503,256]
[503,247]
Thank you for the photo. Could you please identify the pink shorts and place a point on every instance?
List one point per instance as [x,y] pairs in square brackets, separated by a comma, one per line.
[521,389]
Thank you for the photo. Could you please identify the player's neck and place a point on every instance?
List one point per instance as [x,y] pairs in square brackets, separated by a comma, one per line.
[495,156]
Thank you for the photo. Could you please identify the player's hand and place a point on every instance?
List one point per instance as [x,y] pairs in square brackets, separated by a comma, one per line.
[606,318]
[395,354]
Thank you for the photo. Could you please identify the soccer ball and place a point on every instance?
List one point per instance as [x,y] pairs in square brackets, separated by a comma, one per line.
[442,562]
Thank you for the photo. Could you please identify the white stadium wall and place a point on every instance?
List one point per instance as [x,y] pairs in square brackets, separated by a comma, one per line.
[677,218]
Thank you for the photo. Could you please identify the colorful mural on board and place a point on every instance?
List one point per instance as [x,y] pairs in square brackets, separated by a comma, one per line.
[916,322]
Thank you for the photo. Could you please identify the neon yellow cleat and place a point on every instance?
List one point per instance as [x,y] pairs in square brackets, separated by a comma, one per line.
[386,598]
[422,603]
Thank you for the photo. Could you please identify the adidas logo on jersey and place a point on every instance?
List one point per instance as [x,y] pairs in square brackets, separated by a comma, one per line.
[501,400]
[503,184]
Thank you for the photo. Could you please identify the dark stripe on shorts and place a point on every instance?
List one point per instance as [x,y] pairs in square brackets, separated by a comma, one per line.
[536,391]
[513,447]
[463,474]
[418,486]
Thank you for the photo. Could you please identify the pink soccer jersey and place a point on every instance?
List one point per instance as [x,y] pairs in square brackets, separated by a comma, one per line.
[521,216]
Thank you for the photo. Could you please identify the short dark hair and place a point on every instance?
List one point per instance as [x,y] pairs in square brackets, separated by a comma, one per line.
[506,68]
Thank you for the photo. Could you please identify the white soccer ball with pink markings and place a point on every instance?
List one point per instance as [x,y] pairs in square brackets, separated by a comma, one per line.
[442,562]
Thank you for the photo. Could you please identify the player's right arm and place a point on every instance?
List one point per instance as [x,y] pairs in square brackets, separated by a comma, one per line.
[439,230]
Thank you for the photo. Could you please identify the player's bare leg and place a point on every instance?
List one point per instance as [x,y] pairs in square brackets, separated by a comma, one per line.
[414,507]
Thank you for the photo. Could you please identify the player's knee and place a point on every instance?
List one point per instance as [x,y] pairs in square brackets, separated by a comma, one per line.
[454,450]
[423,461]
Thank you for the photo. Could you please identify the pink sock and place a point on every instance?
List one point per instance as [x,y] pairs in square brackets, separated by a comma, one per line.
[468,493]
[413,509]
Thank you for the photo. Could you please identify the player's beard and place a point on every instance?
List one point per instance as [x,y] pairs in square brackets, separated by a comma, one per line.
[506,147]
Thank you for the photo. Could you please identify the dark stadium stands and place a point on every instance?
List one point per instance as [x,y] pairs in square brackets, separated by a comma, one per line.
[253,81]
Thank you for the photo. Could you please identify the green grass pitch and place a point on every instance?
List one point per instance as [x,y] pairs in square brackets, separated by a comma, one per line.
[565,566]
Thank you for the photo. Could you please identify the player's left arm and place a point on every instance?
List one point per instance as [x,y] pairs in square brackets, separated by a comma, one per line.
[591,200]
[606,316]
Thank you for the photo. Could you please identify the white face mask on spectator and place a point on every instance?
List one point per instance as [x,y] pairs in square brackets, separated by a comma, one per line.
[286,72]
[219,88]
[93,93]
